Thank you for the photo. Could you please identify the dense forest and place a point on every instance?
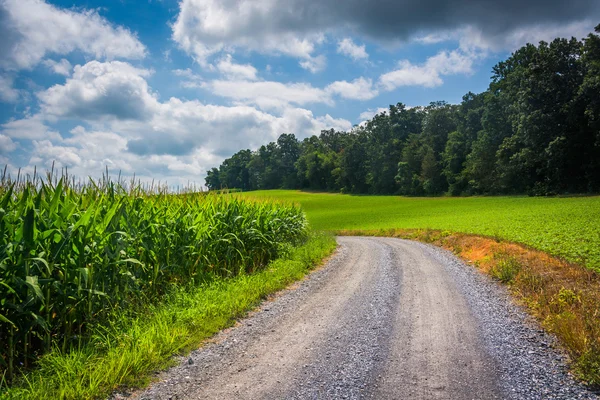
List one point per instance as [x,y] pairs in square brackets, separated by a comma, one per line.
[536,130]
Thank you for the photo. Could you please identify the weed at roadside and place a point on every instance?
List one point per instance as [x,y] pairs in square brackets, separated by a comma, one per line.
[505,269]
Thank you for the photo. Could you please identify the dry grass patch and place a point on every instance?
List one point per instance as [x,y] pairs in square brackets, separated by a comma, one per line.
[563,296]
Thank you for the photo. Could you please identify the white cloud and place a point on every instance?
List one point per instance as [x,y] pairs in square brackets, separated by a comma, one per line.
[348,48]
[30,127]
[6,145]
[437,37]
[430,73]
[8,93]
[474,39]
[192,81]
[231,70]
[207,27]
[358,89]
[31,29]
[370,113]
[451,63]
[303,123]
[295,28]
[88,152]
[410,75]
[186,73]
[100,90]
[270,94]
[46,153]
[129,129]
[62,67]
[329,122]
[314,64]
[527,34]
[180,143]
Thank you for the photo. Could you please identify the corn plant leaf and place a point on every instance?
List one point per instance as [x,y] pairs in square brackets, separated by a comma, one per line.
[39,320]
[131,260]
[10,289]
[28,228]
[44,262]
[95,292]
[85,273]
[55,199]
[85,218]
[32,283]
[109,216]
[8,321]
[6,197]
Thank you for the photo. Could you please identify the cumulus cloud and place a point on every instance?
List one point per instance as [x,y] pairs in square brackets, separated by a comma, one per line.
[6,145]
[128,128]
[358,89]
[231,70]
[180,127]
[190,79]
[205,27]
[8,93]
[100,90]
[270,94]
[348,48]
[430,73]
[371,112]
[62,67]
[476,39]
[46,153]
[32,127]
[31,29]
[314,64]
[180,143]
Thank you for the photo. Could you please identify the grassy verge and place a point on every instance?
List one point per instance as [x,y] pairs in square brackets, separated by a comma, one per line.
[126,353]
[563,296]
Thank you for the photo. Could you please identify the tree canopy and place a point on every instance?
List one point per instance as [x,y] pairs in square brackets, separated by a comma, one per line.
[535,130]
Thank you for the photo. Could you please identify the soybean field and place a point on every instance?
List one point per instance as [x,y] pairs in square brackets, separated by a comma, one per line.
[568,227]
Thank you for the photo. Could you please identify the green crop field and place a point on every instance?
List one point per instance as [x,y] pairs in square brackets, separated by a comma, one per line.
[73,256]
[568,227]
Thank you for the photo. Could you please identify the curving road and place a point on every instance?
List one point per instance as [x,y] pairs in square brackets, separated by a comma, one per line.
[384,319]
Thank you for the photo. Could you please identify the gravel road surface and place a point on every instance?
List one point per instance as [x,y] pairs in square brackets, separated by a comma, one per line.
[384,319]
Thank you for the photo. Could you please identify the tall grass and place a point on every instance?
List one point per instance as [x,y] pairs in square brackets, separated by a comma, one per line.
[71,253]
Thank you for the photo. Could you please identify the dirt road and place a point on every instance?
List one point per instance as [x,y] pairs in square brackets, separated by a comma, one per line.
[385,319]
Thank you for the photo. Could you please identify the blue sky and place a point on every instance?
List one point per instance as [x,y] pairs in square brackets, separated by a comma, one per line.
[167,89]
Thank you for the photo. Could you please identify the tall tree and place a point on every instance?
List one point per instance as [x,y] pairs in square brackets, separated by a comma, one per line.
[535,130]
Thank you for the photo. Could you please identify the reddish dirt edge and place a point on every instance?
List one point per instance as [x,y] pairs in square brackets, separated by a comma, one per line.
[563,296]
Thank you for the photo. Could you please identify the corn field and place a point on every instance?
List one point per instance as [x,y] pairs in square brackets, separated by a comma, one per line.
[72,253]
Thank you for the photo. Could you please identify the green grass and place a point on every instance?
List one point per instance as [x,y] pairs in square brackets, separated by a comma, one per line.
[568,227]
[127,352]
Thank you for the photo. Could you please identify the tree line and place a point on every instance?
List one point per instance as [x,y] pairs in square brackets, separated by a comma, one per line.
[535,130]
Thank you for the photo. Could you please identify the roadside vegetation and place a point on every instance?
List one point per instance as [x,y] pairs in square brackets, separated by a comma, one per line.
[92,273]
